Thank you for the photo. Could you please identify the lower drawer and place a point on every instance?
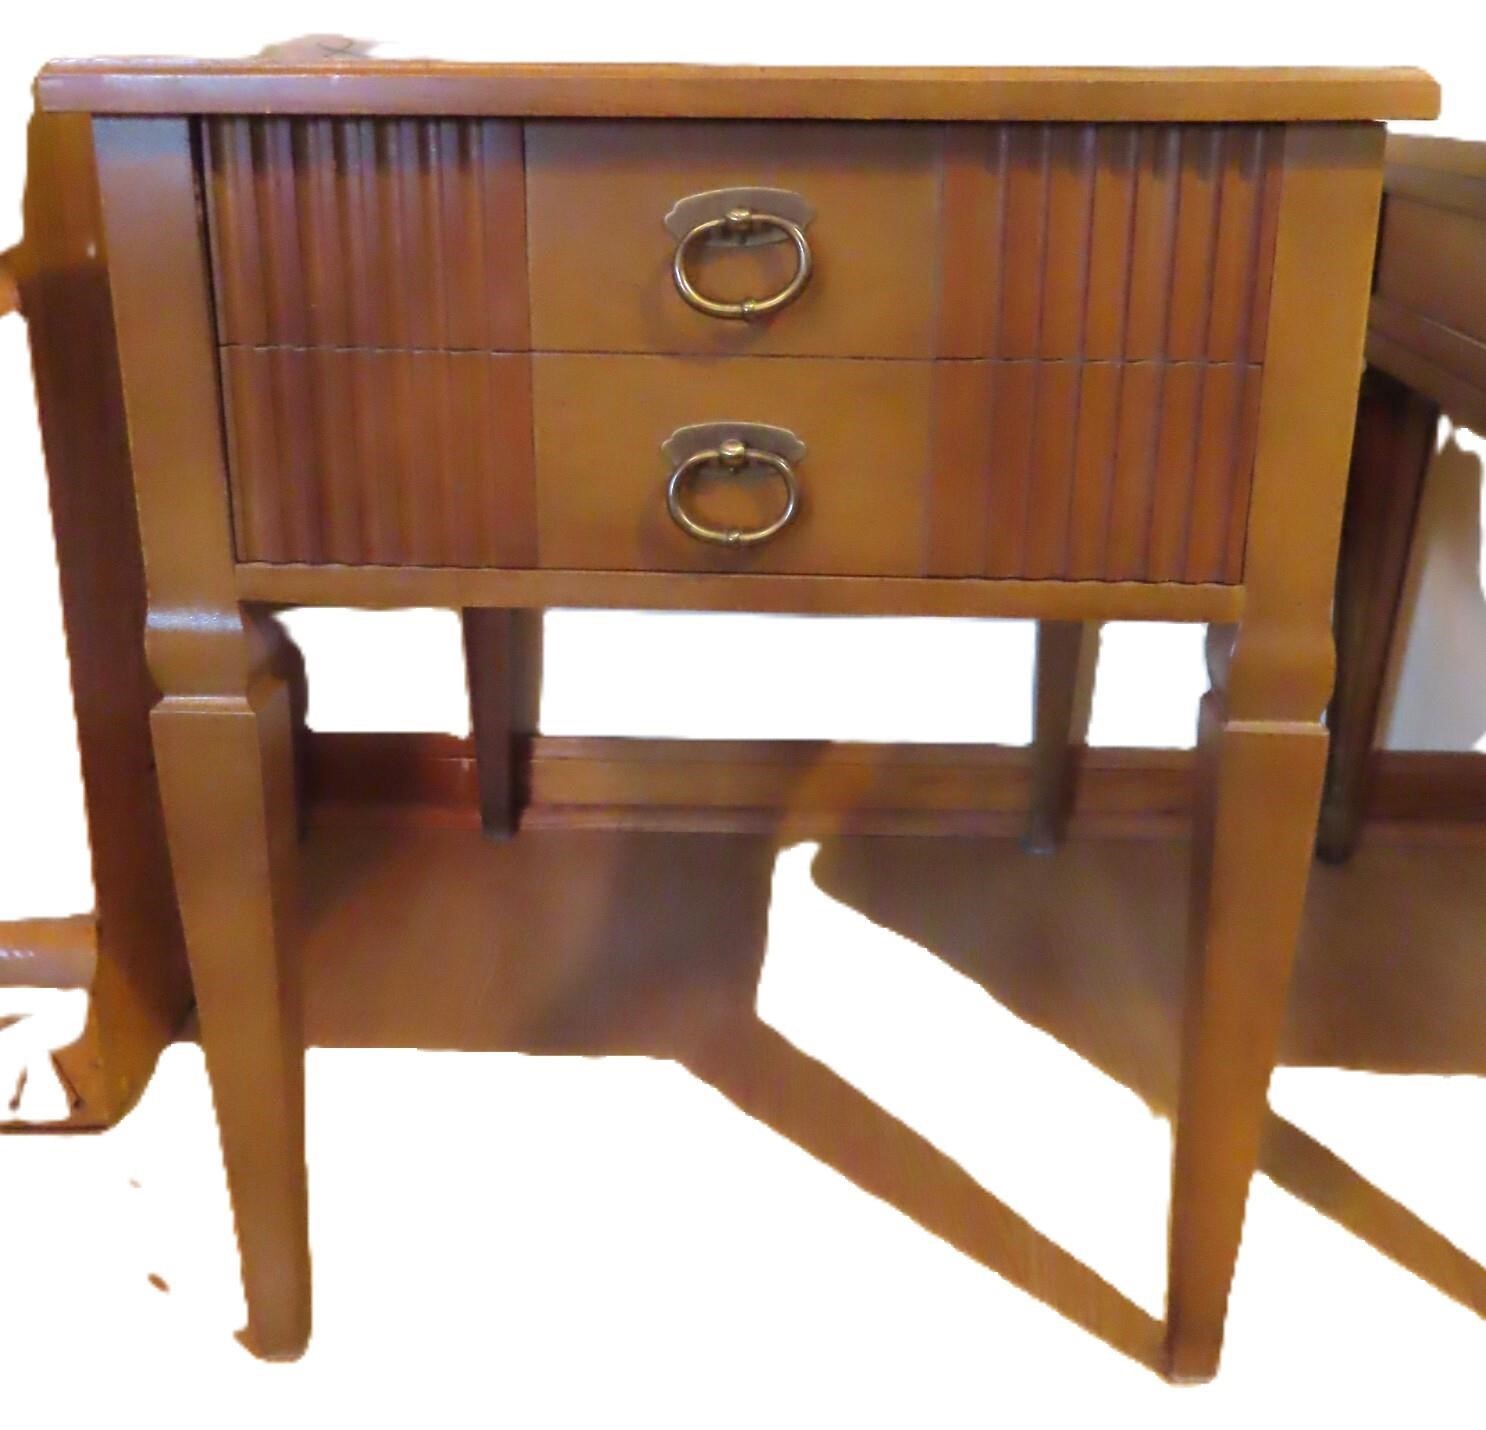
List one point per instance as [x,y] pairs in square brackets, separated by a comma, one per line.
[602,477]
[1035,470]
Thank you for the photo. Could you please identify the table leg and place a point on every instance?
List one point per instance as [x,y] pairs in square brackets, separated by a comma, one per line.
[1261,745]
[223,730]
[226,769]
[1391,452]
[1058,727]
[503,665]
[1259,785]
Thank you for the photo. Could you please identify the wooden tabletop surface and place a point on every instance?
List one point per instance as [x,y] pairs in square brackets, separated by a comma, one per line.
[290,83]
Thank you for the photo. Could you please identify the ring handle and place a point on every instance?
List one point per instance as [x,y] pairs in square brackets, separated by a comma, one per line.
[738,223]
[733,456]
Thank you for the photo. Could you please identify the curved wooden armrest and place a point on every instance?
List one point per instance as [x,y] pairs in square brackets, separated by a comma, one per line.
[10,281]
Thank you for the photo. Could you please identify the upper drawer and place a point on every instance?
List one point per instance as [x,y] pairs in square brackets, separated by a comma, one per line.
[601,256]
[1099,242]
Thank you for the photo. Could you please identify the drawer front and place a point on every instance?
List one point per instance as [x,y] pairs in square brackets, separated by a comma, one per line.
[601,255]
[1100,242]
[1058,471]
[1072,317]
[602,477]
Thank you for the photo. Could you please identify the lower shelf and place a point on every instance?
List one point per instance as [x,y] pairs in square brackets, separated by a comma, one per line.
[608,940]
[631,942]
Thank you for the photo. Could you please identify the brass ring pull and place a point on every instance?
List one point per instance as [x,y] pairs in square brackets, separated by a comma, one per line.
[732,456]
[736,223]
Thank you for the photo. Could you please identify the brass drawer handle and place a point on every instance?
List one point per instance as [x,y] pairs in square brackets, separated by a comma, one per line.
[732,455]
[739,224]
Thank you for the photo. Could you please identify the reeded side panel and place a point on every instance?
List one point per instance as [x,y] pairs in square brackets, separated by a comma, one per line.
[1113,471]
[380,458]
[1108,241]
[368,232]
[1114,282]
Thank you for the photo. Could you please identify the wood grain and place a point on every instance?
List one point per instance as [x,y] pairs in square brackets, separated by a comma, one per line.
[363,458]
[394,252]
[1107,242]
[380,457]
[601,475]
[224,728]
[1115,471]
[1262,743]
[601,255]
[389,587]
[379,233]
[424,87]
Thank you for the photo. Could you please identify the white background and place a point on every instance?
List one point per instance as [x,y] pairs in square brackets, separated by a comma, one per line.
[624,1248]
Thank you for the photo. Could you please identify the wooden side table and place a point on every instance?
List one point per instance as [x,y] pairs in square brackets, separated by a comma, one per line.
[1426,355]
[1075,345]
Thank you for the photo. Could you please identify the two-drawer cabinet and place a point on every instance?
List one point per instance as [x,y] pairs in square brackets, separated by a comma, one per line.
[1017,350]
[1068,344]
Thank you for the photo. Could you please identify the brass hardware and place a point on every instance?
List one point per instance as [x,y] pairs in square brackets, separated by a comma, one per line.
[685,441]
[687,213]
[735,453]
[742,224]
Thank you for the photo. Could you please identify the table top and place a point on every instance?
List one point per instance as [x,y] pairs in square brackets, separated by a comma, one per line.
[303,79]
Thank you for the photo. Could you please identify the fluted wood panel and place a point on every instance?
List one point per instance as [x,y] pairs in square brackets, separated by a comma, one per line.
[1100,241]
[1113,281]
[1118,471]
[381,458]
[407,233]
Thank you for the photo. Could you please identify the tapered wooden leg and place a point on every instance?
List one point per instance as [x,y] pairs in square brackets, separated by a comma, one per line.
[1260,785]
[222,731]
[503,664]
[1065,652]
[226,770]
[1262,746]
[1391,452]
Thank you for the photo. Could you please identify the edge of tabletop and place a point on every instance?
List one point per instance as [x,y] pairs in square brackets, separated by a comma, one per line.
[371,86]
